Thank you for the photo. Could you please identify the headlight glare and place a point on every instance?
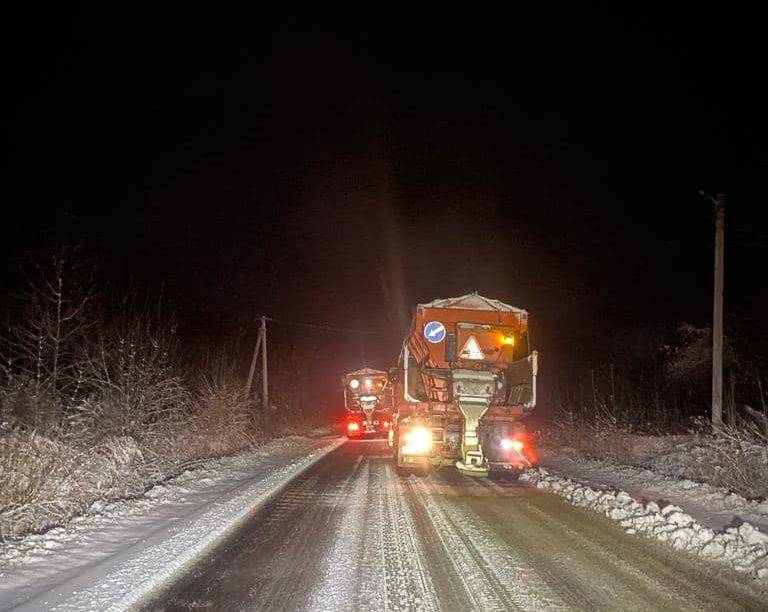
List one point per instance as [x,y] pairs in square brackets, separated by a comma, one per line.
[418,441]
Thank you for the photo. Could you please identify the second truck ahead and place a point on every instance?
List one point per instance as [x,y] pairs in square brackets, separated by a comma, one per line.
[368,400]
[465,376]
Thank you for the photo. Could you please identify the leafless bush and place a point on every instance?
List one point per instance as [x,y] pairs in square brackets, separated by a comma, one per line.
[692,355]
[47,480]
[135,421]
[24,404]
[224,420]
[132,366]
[97,404]
[40,347]
[600,438]
[735,458]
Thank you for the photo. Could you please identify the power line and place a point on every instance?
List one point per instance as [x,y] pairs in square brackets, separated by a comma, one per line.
[344,330]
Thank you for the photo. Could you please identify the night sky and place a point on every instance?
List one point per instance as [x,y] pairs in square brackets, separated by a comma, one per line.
[339,171]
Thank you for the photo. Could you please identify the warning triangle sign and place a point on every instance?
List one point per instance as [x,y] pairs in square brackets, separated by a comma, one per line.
[472,350]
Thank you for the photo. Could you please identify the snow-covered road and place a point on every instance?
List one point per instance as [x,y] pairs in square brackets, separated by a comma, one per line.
[351,534]
[317,524]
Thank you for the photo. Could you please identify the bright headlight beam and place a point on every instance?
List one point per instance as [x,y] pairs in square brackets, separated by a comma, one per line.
[507,444]
[418,441]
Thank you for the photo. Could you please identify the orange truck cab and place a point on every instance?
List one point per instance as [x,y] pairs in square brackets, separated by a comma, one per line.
[368,400]
[465,376]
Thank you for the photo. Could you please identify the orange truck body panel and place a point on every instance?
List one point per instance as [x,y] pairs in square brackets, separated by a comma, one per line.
[494,330]
[466,349]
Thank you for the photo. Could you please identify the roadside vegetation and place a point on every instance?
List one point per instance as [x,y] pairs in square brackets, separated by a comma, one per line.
[650,407]
[98,400]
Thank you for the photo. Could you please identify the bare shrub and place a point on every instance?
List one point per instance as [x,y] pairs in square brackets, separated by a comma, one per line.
[224,420]
[47,480]
[132,367]
[41,345]
[735,458]
[24,404]
[108,435]
[28,463]
[600,438]
[692,355]
[96,403]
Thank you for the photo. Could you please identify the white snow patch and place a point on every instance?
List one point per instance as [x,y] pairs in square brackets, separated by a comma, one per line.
[120,552]
[745,548]
[712,506]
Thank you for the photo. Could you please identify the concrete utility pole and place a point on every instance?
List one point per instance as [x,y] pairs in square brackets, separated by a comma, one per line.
[264,374]
[717,312]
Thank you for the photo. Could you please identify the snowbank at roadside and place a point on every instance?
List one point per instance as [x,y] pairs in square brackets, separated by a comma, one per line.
[119,552]
[712,506]
[741,545]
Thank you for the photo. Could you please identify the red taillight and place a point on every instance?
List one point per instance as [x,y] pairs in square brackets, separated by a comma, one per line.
[353,426]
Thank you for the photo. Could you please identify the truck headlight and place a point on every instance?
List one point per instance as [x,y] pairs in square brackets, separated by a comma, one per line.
[507,445]
[354,383]
[418,441]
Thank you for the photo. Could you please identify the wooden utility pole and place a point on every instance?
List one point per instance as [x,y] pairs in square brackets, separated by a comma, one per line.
[717,312]
[717,315]
[252,371]
[264,374]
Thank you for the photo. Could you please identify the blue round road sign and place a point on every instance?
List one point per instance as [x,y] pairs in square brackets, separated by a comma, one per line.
[434,332]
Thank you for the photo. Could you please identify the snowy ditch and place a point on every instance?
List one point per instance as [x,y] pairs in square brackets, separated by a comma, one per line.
[743,547]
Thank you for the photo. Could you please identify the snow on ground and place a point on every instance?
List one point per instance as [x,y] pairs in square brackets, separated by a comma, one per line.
[117,553]
[713,523]
[712,506]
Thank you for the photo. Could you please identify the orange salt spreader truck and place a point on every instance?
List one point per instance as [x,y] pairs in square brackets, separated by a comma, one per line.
[368,400]
[465,377]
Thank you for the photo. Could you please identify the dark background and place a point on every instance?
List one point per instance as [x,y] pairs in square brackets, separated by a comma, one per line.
[340,169]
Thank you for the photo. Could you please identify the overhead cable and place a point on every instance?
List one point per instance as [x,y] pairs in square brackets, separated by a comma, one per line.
[345,330]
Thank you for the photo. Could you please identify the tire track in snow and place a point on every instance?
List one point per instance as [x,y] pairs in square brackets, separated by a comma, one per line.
[647,573]
[593,565]
[409,584]
[494,577]
[376,562]
[338,586]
